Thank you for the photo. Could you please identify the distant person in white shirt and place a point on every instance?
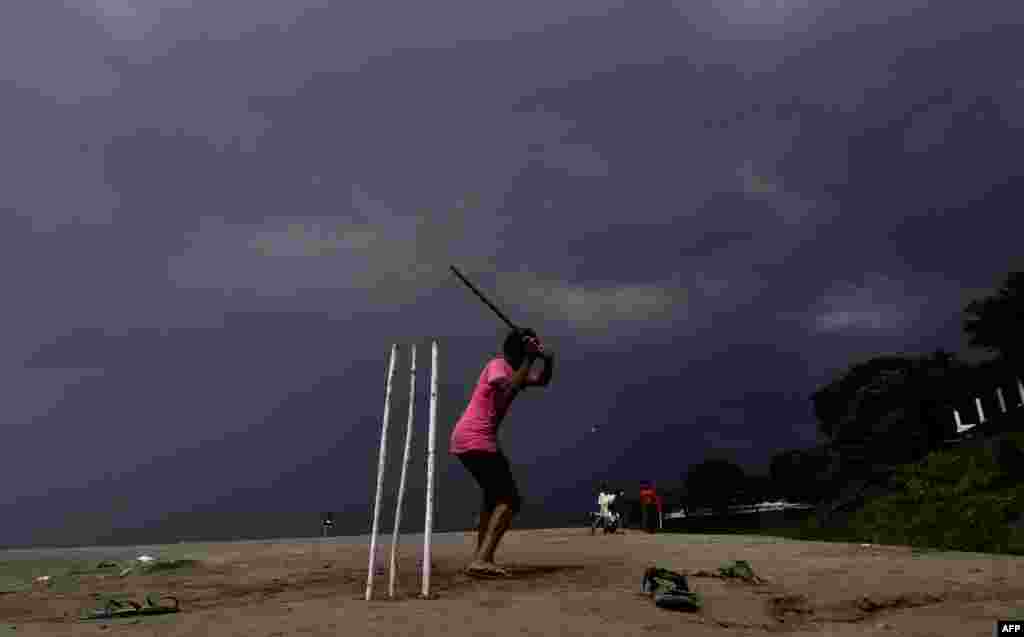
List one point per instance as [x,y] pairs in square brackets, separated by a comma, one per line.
[607,517]
[605,498]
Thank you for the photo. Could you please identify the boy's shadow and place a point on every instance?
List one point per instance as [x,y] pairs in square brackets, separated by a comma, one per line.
[525,571]
[518,574]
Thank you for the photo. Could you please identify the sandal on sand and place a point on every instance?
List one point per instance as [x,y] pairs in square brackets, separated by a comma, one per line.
[677,600]
[661,579]
[669,590]
[114,608]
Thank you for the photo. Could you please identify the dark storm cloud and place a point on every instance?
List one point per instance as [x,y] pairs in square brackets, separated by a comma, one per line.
[218,216]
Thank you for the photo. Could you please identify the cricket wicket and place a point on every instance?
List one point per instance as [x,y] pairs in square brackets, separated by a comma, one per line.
[382,465]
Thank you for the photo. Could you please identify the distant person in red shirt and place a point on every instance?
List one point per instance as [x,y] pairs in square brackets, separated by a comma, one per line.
[474,440]
[648,507]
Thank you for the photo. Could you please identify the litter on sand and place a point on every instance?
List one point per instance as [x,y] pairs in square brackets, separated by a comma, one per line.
[669,590]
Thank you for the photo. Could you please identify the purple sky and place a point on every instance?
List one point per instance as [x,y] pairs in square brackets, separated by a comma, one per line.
[216,217]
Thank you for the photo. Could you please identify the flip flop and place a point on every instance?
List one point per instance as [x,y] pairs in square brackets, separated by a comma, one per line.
[661,579]
[677,600]
[155,607]
[114,608]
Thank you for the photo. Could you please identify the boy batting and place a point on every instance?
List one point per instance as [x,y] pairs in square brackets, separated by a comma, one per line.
[474,441]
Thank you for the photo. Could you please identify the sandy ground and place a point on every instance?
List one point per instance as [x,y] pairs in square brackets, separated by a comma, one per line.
[563,581]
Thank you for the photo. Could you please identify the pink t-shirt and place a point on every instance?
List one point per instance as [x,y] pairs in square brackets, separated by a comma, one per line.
[477,429]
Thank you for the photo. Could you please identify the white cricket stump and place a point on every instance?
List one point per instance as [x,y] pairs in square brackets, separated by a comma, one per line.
[381,463]
[401,482]
[382,466]
[428,526]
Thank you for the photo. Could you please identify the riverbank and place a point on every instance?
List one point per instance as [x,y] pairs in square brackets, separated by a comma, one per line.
[562,581]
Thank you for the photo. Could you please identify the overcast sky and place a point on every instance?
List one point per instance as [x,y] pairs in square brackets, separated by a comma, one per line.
[216,217]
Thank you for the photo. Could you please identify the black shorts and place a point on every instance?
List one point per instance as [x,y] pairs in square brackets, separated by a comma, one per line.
[494,475]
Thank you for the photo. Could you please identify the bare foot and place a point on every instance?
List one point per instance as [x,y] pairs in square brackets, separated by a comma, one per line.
[479,568]
[497,570]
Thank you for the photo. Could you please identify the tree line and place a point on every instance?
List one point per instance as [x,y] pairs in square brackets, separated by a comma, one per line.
[886,411]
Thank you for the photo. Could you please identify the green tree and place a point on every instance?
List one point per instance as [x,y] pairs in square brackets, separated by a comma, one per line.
[994,322]
[795,474]
[758,488]
[714,482]
[960,499]
[847,407]
[890,409]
